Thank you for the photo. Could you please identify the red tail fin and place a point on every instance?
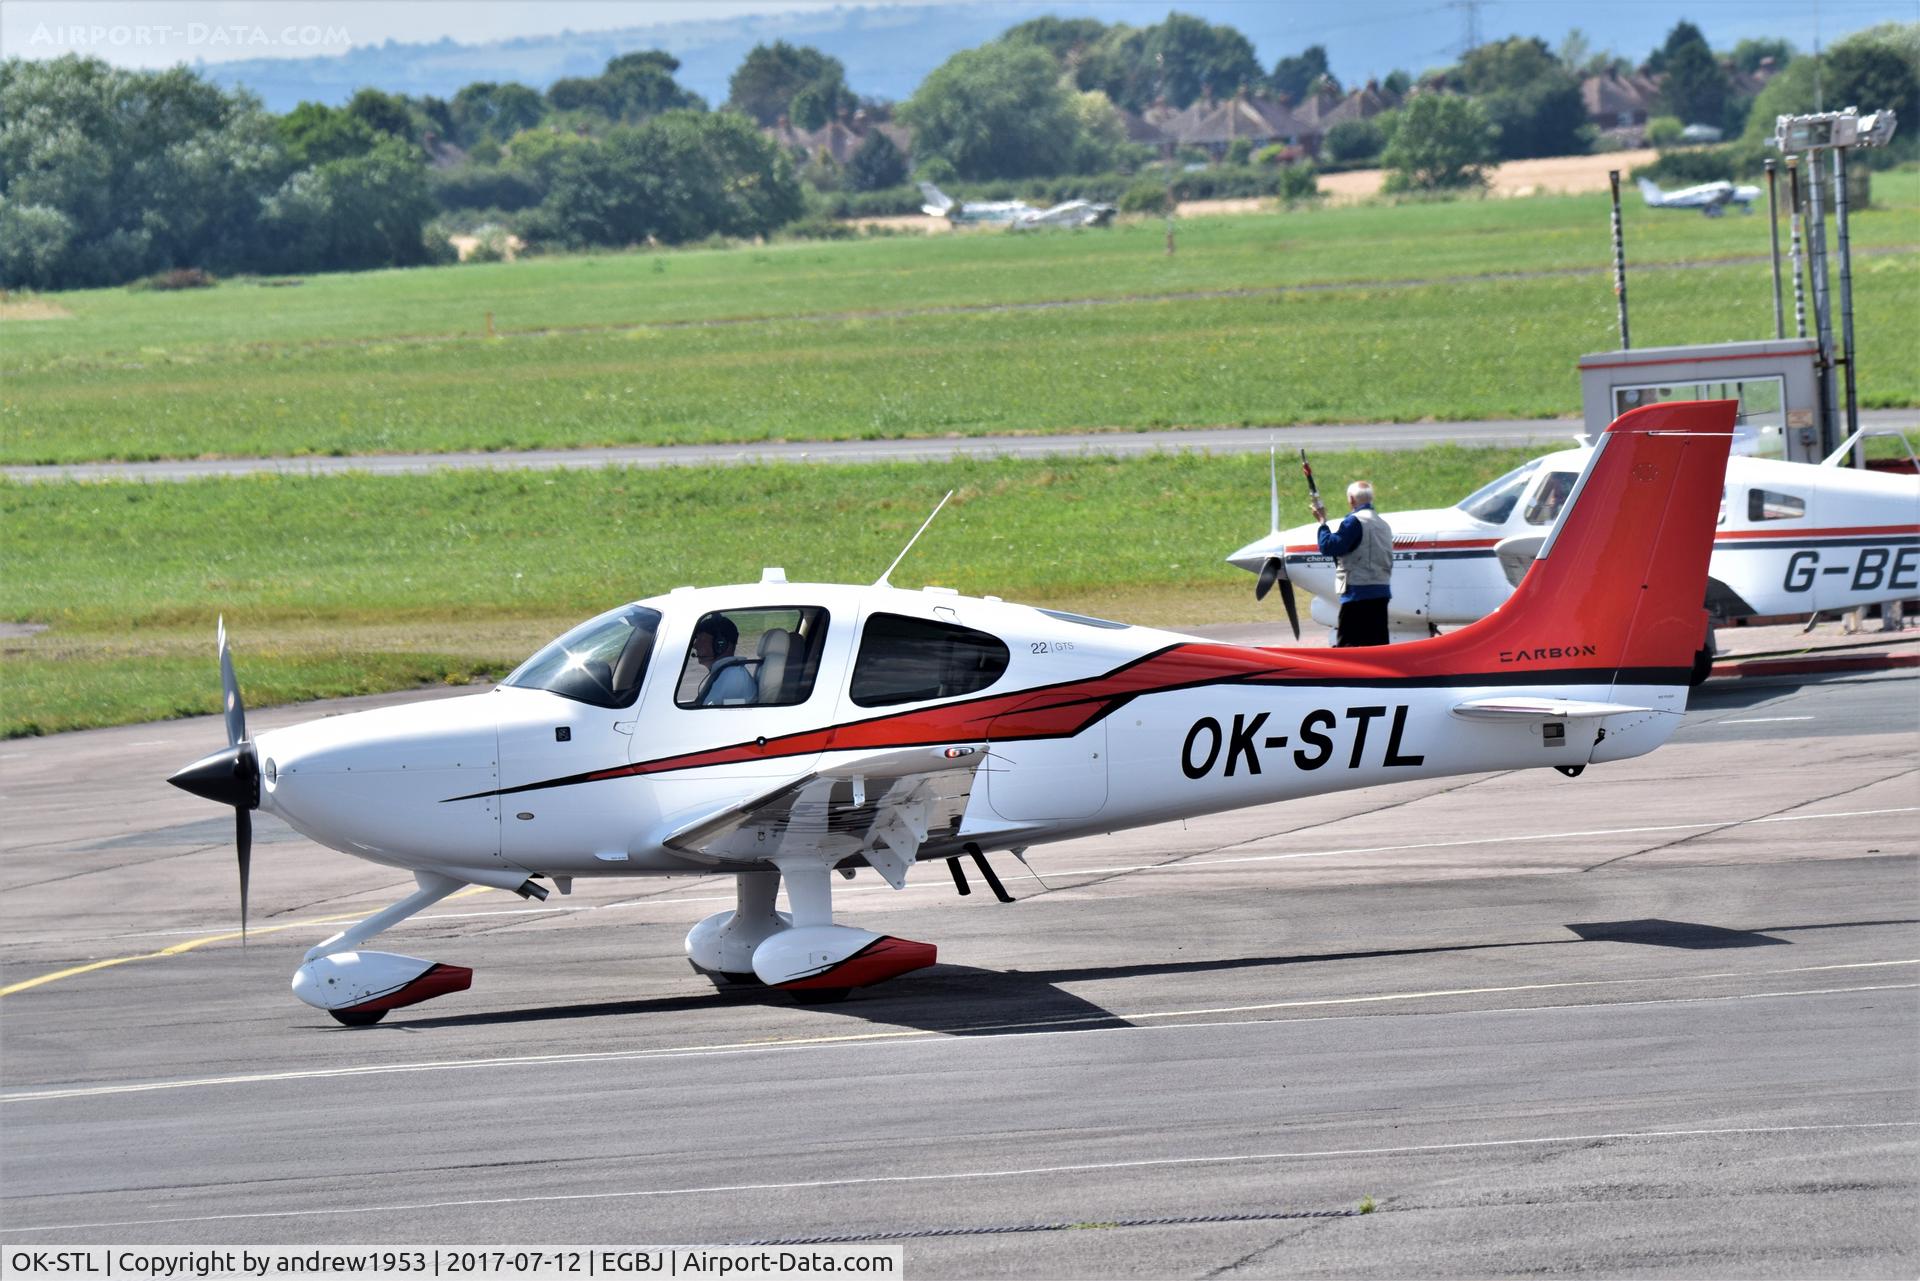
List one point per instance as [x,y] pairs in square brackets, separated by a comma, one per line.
[1621,581]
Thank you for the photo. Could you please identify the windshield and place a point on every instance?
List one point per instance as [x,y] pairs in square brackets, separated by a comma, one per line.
[599,662]
[1493,503]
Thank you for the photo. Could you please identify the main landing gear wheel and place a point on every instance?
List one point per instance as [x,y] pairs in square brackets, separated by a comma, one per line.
[820,995]
[358,1018]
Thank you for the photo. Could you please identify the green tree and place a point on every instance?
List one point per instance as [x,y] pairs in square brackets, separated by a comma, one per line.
[384,113]
[1749,53]
[817,103]
[351,214]
[1195,57]
[1443,142]
[1532,99]
[1397,83]
[994,112]
[1696,88]
[107,174]
[767,81]
[633,87]
[1351,141]
[496,111]
[1176,59]
[1872,76]
[876,164]
[1064,39]
[314,133]
[680,176]
[1684,33]
[1295,76]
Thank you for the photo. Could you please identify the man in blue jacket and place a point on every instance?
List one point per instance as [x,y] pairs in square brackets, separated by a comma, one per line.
[1362,549]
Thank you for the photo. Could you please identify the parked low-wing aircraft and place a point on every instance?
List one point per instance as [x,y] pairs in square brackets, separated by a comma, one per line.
[1015,214]
[1710,198]
[1791,538]
[780,732]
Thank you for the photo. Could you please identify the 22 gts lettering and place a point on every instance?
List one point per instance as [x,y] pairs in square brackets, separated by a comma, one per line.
[1237,747]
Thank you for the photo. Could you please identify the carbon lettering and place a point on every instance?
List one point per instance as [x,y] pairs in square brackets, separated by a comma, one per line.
[1872,560]
[1241,743]
[1800,568]
[1308,734]
[1394,756]
[1364,715]
[1542,652]
[1187,765]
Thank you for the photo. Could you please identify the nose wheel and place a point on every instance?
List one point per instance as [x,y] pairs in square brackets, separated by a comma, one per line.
[358,1018]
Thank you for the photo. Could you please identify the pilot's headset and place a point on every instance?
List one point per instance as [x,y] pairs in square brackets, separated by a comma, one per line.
[725,635]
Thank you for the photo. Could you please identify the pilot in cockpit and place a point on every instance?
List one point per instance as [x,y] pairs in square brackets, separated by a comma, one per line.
[730,680]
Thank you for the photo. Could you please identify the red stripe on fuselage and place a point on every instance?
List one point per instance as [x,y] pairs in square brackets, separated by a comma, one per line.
[1804,532]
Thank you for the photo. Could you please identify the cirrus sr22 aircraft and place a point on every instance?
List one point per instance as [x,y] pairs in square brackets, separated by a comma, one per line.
[871,726]
[1790,538]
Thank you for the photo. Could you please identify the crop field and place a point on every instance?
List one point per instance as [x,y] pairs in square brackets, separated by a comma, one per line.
[1445,311]
[351,584]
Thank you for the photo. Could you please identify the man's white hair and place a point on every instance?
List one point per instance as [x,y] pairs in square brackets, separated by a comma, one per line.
[1360,492]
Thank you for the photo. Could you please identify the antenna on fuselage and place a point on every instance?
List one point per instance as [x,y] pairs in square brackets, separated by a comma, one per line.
[882,580]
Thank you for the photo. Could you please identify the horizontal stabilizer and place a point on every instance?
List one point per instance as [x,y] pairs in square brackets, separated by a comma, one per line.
[1532,709]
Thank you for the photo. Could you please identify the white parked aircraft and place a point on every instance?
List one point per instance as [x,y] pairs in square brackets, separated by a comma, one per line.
[1015,214]
[1791,538]
[1710,198]
[780,732]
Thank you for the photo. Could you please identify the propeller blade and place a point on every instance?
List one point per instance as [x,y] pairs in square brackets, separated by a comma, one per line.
[243,842]
[1272,570]
[234,710]
[1273,488]
[1293,613]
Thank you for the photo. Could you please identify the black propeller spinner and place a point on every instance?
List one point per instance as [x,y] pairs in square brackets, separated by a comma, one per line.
[230,777]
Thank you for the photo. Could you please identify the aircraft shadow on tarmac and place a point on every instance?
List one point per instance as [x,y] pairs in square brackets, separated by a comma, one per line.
[965,1001]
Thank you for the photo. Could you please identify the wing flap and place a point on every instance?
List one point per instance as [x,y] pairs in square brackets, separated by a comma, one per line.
[884,806]
[1525,708]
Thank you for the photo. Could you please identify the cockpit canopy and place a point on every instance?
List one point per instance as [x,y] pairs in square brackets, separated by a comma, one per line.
[600,662]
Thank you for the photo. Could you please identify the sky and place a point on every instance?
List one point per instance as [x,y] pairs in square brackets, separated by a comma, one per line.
[1415,34]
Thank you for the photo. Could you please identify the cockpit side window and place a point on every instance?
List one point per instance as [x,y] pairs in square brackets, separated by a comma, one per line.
[908,660]
[1550,498]
[1766,504]
[1494,502]
[600,662]
[753,658]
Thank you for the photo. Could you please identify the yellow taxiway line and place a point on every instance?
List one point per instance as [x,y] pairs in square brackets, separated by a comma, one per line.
[189,945]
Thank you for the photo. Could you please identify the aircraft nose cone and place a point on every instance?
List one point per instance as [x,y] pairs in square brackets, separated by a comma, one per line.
[1255,554]
[230,776]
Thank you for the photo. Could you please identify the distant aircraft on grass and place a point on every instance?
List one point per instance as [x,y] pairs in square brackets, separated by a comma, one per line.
[1017,215]
[1710,198]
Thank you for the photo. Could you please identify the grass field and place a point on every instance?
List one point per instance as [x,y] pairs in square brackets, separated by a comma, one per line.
[350,584]
[847,340]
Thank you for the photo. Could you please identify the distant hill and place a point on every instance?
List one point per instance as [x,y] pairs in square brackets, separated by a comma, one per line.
[887,50]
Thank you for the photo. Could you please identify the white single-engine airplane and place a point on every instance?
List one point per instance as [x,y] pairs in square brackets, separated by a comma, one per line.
[1017,215]
[1791,538]
[782,732]
[1710,198]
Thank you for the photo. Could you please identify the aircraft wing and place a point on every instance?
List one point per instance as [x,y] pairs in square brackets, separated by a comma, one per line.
[884,805]
[1528,708]
[1516,555]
